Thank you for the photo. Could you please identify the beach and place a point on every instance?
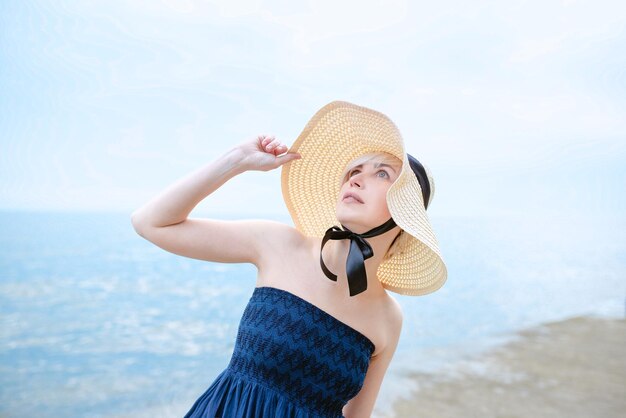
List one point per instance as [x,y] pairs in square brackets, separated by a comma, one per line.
[570,368]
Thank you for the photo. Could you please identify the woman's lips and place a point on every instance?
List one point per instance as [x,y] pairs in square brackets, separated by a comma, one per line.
[351,197]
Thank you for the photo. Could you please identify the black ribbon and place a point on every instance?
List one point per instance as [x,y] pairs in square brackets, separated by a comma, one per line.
[422,178]
[360,250]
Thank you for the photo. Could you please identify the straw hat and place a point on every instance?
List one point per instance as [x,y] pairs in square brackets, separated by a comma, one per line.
[338,133]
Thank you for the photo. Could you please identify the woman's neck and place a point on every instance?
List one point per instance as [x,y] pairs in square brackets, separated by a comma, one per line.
[335,254]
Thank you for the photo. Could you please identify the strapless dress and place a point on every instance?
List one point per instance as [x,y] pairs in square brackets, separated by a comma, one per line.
[290,359]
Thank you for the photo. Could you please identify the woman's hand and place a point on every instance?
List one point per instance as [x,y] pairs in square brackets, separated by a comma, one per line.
[263,153]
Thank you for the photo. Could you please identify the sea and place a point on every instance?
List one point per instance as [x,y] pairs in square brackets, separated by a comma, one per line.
[96,321]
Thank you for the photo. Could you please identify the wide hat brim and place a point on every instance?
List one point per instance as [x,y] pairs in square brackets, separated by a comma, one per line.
[337,134]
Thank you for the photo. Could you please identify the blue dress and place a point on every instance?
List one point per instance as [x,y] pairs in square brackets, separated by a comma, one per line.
[291,359]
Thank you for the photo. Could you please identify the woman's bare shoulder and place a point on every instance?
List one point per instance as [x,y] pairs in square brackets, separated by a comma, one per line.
[279,237]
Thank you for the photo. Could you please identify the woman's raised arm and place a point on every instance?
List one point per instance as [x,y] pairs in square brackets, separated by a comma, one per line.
[164,219]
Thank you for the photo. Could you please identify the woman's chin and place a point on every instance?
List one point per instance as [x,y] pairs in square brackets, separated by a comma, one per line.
[353,223]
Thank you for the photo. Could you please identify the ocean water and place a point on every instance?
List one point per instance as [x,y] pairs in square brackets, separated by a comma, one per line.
[95,321]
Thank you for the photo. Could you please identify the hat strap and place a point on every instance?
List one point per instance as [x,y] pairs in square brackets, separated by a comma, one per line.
[422,178]
[360,250]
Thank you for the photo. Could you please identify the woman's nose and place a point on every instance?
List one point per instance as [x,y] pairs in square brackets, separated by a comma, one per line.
[355,180]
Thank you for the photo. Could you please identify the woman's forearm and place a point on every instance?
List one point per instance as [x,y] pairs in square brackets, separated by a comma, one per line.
[174,204]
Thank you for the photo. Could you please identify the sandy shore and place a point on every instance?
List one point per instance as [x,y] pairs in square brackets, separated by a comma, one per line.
[570,368]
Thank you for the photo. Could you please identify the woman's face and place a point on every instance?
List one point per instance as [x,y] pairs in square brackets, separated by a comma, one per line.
[369,182]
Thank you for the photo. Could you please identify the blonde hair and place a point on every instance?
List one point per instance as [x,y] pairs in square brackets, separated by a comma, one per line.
[399,242]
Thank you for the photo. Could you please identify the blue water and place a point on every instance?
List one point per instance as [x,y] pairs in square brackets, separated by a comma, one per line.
[95,321]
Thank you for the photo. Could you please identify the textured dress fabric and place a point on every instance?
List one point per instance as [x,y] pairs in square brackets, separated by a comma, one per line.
[291,359]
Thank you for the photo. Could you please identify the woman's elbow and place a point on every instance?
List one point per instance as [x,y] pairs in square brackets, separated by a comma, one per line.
[137,222]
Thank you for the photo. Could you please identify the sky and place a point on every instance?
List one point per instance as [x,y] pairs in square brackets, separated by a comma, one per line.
[518,108]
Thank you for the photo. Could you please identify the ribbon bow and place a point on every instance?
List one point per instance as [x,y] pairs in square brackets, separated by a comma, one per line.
[360,250]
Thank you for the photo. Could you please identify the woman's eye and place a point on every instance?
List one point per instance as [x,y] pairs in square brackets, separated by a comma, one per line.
[383,171]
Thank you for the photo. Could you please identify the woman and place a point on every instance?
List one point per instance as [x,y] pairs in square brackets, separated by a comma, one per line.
[320,329]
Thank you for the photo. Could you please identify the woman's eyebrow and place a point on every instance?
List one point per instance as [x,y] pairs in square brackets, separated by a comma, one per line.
[376,166]
[385,165]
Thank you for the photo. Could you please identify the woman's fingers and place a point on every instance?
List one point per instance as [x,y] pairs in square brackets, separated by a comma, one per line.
[274,142]
[266,139]
[271,145]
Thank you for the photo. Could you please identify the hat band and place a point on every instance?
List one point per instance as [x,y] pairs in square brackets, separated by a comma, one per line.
[360,250]
[422,178]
